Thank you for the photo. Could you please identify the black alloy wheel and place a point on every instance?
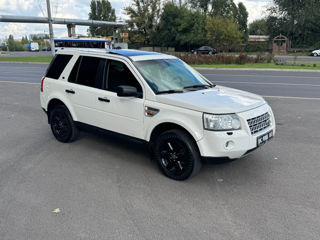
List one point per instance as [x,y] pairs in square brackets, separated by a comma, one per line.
[62,125]
[177,155]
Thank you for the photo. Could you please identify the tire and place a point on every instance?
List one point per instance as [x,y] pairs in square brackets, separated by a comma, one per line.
[62,125]
[315,54]
[177,155]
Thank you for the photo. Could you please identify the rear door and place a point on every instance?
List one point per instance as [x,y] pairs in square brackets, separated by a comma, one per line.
[91,89]
[84,89]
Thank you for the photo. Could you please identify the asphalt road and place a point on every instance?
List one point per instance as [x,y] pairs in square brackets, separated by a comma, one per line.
[269,83]
[43,53]
[26,54]
[107,188]
[266,83]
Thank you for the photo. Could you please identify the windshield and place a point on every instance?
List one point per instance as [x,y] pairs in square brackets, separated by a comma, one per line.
[165,75]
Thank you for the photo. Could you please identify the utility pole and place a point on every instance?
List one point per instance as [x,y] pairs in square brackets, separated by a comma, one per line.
[50,27]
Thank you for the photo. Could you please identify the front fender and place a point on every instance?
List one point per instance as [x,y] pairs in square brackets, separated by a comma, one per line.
[190,120]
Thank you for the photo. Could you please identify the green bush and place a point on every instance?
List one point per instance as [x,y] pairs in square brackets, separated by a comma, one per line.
[16,46]
[4,47]
[224,59]
[257,47]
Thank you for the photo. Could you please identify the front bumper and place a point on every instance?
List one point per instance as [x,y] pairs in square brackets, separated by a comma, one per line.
[234,144]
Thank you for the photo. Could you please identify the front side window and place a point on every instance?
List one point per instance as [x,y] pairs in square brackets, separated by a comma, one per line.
[120,74]
[170,74]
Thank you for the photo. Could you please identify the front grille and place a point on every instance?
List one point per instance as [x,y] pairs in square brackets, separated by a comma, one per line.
[259,123]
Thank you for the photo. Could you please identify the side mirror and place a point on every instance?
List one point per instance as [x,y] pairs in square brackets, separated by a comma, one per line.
[126,91]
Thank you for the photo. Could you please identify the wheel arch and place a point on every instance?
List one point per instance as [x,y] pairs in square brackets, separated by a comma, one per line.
[55,102]
[165,126]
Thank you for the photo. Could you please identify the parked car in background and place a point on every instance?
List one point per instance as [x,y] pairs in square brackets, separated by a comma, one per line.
[204,50]
[315,53]
[46,49]
[33,46]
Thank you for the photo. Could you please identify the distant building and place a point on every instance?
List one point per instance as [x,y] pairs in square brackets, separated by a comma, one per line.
[258,38]
[38,36]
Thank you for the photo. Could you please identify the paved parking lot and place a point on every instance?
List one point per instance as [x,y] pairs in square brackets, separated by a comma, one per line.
[107,188]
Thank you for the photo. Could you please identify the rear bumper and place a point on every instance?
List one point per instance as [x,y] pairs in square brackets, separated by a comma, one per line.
[234,144]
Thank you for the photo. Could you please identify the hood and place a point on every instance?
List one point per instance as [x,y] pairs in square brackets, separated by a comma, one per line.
[215,100]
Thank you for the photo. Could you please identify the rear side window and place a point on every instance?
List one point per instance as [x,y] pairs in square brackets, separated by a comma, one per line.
[57,65]
[88,71]
[73,75]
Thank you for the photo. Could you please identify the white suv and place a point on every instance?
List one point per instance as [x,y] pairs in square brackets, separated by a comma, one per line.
[156,98]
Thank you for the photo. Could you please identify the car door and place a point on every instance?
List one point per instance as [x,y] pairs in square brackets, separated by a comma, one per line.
[84,89]
[127,112]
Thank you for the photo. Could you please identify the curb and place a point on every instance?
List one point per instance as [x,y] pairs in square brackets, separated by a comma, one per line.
[258,69]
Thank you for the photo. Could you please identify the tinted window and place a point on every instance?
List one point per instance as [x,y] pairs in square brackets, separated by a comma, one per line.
[91,72]
[119,74]
[79,44]
[73,75]
[57,65]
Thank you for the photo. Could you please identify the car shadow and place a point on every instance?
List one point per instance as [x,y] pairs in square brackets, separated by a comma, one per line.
[126,149]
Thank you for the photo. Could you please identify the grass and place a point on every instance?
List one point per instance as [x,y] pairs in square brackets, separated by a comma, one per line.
[42,59]
[300,54]
[308,66]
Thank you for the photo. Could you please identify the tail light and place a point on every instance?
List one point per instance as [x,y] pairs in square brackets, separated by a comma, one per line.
[42,80]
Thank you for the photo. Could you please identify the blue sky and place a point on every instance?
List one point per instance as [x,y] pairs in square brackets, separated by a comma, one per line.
[79,9]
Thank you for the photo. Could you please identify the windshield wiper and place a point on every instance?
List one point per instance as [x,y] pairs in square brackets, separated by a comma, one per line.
[199,86]
[170,91]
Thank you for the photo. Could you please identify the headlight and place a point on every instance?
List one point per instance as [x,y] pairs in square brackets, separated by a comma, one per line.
[222,122]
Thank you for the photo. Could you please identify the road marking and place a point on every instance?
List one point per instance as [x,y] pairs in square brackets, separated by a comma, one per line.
[259,83]
[277,97]
[19,82]
[288,97]
[257,75]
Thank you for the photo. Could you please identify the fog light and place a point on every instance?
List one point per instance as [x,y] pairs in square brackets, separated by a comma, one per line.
[229,145]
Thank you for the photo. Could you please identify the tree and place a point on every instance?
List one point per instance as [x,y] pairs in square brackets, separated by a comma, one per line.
[144,16]
[258,27]
[24,40]
[223,33]
[203,5]
[192,28]
[213,8]
[242,20]
[167,31]
[297,19]
[180,27]
[103,11]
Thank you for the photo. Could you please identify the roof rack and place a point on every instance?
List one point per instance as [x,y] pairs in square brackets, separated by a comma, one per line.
[121,52]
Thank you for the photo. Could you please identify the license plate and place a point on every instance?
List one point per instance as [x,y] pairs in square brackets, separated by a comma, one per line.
[264,138]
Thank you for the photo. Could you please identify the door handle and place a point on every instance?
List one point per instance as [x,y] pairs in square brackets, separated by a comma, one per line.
[103,99]
[70,91]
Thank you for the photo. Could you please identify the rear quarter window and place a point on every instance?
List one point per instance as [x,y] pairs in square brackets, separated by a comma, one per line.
[57,65]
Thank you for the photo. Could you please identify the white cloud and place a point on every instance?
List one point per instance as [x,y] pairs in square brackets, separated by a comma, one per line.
[19,5]
[80,9]
[256,8]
